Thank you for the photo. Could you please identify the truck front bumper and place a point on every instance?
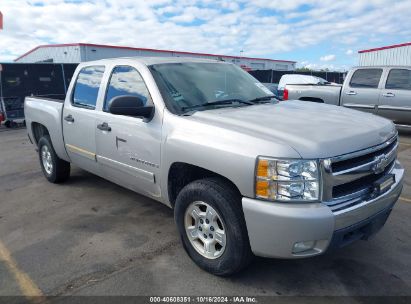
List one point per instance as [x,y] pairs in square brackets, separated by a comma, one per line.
[280,230]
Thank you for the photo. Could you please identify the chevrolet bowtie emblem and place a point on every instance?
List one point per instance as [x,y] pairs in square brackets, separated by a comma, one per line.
[380,163]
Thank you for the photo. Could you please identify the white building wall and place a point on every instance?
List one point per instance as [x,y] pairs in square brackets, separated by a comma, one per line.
[77,54]
[393,56]
[64,54]
[96,53]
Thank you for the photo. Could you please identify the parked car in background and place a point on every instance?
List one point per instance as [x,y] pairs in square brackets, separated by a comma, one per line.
[288,79]
[381,90]
[244,173]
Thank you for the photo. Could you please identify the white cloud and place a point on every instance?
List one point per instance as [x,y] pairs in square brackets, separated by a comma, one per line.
[262,28]
[189,14]
[328,58]
[349,52]
[323,67]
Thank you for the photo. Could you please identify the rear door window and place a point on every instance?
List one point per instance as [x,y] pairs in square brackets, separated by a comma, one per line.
[366,78]
[87,86]
[399,79]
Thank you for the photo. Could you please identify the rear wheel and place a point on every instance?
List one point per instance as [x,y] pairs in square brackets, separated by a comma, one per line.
[212,227]
[54,169]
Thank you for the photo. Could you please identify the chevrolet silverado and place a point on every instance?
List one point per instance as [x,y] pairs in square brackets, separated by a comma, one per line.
[245,174]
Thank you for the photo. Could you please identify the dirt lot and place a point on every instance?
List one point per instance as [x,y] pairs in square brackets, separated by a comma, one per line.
[91,237]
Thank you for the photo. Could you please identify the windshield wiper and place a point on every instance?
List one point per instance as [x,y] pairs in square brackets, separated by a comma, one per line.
[263,98]
[217,103]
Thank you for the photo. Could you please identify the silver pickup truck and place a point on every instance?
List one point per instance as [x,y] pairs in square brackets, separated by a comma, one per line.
[245,175]
[384,90]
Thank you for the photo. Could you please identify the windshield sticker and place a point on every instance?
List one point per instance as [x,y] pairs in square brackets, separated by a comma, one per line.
[263,87]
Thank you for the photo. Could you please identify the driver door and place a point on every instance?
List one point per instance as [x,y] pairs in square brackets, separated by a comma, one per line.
[128,148]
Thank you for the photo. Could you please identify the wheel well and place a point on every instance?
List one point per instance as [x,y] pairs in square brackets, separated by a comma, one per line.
[312,99]
[39,131]
[181,174]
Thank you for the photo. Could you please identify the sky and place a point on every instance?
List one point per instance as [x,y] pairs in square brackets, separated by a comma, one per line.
[317,34]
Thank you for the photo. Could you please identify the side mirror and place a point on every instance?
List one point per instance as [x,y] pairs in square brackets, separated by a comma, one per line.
[130,106]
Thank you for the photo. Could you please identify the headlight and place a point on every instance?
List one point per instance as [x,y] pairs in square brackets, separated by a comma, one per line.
[287,180]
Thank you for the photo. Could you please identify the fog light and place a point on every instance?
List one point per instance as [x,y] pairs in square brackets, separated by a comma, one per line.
[303,246]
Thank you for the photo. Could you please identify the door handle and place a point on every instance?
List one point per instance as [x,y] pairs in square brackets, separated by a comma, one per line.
[104,127]
[69,118]
[388,94]
[351,93]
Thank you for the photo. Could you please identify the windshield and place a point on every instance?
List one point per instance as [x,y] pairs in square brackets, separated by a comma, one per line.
[202,86]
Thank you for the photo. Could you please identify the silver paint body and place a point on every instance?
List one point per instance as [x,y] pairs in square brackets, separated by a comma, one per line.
[393,104]
[225,141]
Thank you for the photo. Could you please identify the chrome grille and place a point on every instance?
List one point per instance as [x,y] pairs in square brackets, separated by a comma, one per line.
[348,179]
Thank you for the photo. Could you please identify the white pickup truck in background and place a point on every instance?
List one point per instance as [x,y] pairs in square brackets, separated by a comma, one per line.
[385,91]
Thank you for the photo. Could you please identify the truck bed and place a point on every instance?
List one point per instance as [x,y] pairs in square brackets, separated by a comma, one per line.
[323,93]
[50,97]
[47,112]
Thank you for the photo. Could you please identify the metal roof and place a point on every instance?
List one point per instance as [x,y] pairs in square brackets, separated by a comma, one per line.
[145,49]
[154,60]
[381,66]
[385,47]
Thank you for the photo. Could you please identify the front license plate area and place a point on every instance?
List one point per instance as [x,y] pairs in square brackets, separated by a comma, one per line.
[384,184]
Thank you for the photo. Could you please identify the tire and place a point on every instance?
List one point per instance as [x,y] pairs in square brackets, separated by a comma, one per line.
[7,124]
[59,171]
[226,202]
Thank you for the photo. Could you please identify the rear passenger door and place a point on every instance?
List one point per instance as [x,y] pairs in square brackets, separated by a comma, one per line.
[363,91]
[79,116]
[395,99]
[128,148]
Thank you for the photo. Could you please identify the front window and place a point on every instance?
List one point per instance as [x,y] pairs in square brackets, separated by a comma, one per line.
[126,80]
[205,86]
[399,79]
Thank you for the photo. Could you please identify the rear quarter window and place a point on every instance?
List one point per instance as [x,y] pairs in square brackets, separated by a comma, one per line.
[399,79]
[87,86]
[366,78]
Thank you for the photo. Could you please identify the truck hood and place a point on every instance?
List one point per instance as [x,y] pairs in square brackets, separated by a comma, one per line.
[313,130]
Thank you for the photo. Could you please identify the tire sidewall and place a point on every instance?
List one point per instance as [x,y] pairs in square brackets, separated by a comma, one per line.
[45,141]
[235,241]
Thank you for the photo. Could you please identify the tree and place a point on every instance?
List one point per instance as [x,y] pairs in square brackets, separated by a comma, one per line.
[303,69]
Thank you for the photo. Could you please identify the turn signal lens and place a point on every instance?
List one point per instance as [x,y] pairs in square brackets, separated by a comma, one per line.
[262,168]
[261,188]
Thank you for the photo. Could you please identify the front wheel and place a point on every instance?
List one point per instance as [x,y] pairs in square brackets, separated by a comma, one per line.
[54,168]
[212,227]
